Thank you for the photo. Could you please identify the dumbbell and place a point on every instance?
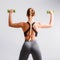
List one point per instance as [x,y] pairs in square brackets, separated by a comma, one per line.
[9,11]
[49,11]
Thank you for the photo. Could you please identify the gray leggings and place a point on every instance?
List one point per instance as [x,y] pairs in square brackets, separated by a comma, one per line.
[30,47]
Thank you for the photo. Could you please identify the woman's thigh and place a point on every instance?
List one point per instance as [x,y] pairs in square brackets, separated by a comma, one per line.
[35,51]
[25,51]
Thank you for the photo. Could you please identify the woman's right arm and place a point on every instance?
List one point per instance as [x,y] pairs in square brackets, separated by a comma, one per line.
[11,24]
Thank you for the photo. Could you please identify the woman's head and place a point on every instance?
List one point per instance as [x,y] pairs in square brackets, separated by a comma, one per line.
[30,12]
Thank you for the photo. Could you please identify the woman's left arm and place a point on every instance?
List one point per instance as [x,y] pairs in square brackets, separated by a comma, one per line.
[49,25]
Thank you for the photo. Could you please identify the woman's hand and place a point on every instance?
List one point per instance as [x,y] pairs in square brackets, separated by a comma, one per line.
[50,12]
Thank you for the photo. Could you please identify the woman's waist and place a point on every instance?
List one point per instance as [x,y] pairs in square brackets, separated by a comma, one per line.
[30,39]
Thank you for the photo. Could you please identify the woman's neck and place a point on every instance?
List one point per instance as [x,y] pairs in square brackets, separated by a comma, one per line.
[30,20]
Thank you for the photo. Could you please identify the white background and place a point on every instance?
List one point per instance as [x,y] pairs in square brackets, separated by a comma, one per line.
[11,39]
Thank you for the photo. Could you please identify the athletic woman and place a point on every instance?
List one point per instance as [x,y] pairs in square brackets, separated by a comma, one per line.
[30,29]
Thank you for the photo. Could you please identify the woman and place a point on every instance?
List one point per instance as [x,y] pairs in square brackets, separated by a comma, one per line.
[30,29]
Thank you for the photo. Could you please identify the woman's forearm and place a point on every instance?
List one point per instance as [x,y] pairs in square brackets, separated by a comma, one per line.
[51,19]
[10,19]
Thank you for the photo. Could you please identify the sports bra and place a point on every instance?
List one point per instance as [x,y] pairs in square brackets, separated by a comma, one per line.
[25,33]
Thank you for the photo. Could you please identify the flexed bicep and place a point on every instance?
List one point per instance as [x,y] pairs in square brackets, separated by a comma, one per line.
[40,25]
[17,25]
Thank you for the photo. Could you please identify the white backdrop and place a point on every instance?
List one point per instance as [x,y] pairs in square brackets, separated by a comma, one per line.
[11,39]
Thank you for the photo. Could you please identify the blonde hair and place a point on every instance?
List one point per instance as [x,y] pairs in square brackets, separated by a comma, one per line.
[28,12]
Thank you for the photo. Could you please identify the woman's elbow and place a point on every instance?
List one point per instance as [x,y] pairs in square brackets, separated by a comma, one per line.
[9,25]
[50,26]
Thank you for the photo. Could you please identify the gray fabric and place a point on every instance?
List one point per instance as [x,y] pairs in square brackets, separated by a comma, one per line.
[30,47]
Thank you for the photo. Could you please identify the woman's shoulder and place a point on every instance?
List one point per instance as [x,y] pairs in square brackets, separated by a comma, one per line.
[37,23]
[23,23]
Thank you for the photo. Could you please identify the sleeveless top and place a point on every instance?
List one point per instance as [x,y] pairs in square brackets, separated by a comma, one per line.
[25,33]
